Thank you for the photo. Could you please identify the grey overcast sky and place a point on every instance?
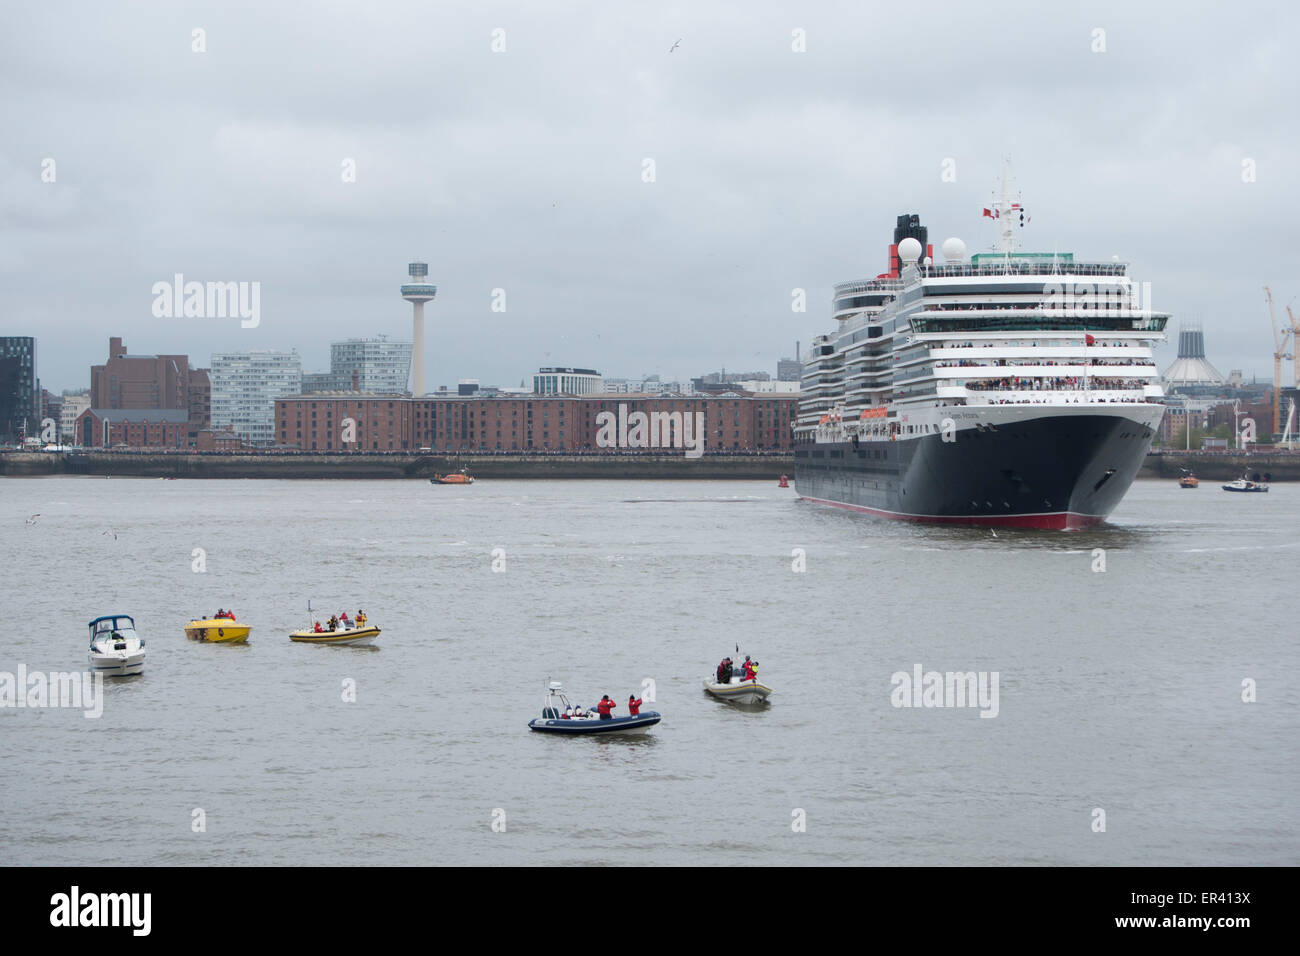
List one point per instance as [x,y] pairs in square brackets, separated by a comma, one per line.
[522,170]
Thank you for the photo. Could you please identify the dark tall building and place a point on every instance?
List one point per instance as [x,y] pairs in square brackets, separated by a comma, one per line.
[20,396]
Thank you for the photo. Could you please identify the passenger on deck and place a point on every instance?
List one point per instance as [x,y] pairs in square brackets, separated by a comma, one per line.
[318,629]
[605,706]
[361,618]
[633,704]
[751,669]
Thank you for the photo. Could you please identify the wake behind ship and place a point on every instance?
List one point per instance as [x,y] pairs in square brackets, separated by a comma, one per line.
[1015,388]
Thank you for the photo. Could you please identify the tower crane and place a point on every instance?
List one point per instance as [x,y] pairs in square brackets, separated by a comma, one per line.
[1281,336]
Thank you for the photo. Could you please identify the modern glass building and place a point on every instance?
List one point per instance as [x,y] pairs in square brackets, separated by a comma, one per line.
[375,365]
[20,403]
[568,381]
[245,386]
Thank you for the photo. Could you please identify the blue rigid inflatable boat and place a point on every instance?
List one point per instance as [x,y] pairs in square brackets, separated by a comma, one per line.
[559,716]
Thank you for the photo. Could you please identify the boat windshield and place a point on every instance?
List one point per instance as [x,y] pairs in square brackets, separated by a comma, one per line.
[105,626]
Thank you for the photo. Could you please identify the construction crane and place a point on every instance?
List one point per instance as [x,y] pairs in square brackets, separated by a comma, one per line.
[1280,339]
[1295,339]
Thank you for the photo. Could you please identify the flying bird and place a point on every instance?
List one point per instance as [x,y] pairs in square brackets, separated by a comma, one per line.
[675,45]
[32,519]
[113,533]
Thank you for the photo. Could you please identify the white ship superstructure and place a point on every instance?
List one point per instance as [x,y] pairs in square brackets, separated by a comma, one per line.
[1007,341]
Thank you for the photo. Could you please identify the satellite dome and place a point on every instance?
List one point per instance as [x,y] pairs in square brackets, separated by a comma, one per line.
[909,250]
[954,250]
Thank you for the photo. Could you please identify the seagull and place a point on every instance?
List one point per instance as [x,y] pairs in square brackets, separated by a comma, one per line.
[113,533]
[32,519]
[675,45]
[995,534]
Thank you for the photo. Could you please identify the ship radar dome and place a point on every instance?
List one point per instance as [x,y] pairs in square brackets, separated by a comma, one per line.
[954,250]
[909,250]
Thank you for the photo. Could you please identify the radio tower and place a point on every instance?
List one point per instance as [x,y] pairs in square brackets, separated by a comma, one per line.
[417,292]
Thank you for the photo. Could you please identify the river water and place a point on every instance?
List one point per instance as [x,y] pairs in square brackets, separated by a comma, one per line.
[1119,690]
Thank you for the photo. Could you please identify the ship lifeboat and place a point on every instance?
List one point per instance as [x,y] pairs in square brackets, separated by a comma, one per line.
[461,477]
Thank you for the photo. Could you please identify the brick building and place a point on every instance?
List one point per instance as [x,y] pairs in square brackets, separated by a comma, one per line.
[732,421]
[133,427]
[156,382]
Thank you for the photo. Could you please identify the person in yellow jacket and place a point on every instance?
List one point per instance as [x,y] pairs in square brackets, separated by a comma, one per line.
[361,618]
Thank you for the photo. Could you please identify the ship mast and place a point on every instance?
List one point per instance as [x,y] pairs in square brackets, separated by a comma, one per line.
[1007,211]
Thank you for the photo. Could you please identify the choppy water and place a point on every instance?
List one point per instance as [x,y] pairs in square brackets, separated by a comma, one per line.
[1118,690]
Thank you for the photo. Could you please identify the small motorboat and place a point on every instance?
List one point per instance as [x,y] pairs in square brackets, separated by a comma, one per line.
[559,716]
[115,648]
[217,630]
[1247,483]
[462,477]
[784,482]
[348,633]
[1188,480]
[729,683]
[739,691]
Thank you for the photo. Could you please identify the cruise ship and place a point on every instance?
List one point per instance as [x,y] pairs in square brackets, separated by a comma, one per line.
[1014,388]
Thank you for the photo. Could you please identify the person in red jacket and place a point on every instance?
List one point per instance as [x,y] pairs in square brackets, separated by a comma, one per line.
[751,672]
[633,704]
[605,706]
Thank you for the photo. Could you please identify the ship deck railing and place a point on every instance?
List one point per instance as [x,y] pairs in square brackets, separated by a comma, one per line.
[1053,396]
[1045,268]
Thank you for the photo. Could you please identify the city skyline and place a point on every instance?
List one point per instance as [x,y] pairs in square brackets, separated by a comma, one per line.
[527,192]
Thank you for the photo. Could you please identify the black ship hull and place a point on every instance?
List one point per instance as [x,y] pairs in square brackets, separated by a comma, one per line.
[1053,471]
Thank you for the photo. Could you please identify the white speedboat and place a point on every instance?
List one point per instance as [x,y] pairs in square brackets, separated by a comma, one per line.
[115,648]
[1246,483]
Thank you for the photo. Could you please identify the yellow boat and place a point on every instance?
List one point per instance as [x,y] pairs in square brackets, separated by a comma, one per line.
[217,630]
[344,635]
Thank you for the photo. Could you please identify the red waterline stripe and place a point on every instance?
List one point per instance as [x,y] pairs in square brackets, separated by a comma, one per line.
[1056,520]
